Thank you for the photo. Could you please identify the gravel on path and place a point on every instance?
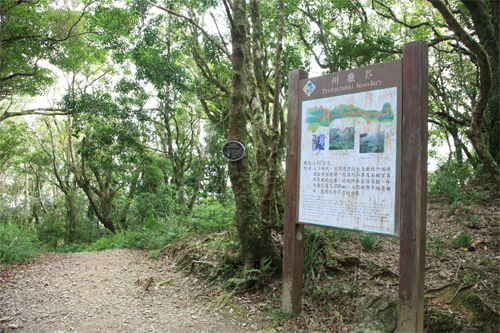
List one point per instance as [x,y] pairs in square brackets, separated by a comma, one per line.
[119,290]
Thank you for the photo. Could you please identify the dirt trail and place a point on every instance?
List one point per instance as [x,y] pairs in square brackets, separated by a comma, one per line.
[110,291]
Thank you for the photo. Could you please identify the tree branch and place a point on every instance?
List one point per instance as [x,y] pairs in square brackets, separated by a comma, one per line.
[309,47]
[393,17]
[37,111]
[13,75]
[190,20]
[217,26]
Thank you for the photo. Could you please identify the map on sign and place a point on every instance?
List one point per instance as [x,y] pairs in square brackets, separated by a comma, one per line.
[321,116]
[348,161]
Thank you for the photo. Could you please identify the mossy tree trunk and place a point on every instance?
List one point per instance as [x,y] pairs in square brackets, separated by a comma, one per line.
[255,238]
[270,197]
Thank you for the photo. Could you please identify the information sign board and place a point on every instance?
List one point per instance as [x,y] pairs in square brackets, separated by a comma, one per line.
[350,140]
[348,166]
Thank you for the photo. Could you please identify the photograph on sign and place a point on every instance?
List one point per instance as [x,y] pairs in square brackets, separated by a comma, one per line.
[348,161]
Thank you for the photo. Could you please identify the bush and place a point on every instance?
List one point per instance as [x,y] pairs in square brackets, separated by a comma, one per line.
[368,241]
[51,232]
[163,204]
[17,245]
[212,216]
[155,226]
[448,179]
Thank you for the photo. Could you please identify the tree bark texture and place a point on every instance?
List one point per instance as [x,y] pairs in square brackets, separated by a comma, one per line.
[256,241]
[271,184]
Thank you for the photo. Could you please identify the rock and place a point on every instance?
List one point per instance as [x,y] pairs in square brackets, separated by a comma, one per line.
[376,313]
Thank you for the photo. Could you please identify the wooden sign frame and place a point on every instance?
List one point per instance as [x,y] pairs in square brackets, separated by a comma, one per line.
[412,195]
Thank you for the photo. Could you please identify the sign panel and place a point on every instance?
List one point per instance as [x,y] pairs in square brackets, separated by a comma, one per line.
[349,148]
[233,150]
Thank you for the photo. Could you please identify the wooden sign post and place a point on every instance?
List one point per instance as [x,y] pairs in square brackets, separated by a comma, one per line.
[293,251]
[414,188]
[357,160]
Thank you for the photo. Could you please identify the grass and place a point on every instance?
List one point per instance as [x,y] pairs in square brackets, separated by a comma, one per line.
[368,241]
[473,306]
[17,245]
[312,251]
[462,240]
[436,245]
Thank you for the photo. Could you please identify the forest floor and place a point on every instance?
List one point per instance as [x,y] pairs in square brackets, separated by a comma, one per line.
[125,290]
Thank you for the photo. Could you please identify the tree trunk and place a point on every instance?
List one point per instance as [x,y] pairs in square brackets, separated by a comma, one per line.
[484,24]
[180,190]
[257,55]
[256,240]
[101,215]
[202,157]
[474,132]
[269,197]
[69,196]
[133,185]
[83,182]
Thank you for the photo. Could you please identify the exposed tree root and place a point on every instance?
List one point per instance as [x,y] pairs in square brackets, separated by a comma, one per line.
[462,287]
[440,288]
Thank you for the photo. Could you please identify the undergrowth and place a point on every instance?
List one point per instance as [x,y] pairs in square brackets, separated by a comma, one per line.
[17,245]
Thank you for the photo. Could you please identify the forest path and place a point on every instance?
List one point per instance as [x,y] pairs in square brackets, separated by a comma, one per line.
[109,291]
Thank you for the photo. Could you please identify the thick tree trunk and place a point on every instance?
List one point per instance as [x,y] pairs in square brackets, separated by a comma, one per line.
[83,182]
[180,190]
[256,240]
